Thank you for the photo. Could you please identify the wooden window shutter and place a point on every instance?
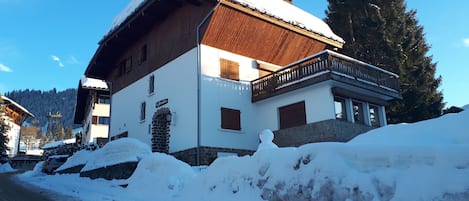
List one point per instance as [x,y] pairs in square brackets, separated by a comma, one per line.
[292,115]
[94,120]
[230,119]
[229,69]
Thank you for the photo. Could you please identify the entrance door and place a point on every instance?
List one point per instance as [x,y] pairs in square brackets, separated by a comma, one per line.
[160,130]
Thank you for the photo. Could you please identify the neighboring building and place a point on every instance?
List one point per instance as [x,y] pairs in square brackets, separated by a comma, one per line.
[201,79]
[92,110]
[16,114]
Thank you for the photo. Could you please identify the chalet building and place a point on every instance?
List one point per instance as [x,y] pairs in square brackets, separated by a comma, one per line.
[16,115]
[200,79]
[92,110]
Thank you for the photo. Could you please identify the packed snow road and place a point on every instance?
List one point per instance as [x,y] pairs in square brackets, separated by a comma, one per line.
[12,190]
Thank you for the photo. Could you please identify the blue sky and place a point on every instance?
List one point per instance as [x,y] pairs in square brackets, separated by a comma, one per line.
[47,44]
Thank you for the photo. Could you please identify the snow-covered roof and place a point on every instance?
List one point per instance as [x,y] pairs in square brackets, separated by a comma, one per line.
[92,83]
[59,143]
[279,9]
[17,105]
[124,14]
[291,14]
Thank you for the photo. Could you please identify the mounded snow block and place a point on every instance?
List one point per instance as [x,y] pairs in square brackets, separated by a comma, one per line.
[118,171]
[71,170]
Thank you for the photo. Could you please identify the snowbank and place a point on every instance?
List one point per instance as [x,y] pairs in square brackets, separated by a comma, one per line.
[115,152]
[78,158]
[449,129]
[421,161]
[162,172]
[4,168]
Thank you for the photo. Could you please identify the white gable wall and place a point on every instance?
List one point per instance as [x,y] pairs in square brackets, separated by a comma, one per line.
[175,81]
[13,136]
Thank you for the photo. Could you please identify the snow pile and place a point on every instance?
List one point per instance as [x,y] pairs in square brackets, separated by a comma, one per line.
[450,129]
[78,158]
[287,12]
[117,151]
[162,172]
[407,162]
[6,167]
[36,172]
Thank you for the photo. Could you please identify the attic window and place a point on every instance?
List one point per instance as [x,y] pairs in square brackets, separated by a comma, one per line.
[125,66]
[143,54]
[229,69]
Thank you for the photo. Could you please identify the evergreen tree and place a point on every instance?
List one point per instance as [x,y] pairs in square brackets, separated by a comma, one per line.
[3,128]
[383,33]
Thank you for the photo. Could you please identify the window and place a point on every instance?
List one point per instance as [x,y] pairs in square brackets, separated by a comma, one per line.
[125,66]
[143,54]
[230,119]
[104,100]
[104,120]
[94,119]
[374,116]
[229,69]
[358,112]
[142,111]
[151,84]
[340,108]
[292,115]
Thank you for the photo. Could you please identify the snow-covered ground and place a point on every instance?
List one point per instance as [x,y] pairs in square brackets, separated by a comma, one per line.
[421,161]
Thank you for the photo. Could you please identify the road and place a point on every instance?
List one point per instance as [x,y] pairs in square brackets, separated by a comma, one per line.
[12,190]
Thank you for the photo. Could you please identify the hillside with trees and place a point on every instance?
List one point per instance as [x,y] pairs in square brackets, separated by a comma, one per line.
[42,103]
[383,33]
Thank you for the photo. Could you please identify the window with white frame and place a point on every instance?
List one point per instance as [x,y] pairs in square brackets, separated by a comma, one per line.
[142,111]
[151,84]
[358,115]
[340,108]
[374,116]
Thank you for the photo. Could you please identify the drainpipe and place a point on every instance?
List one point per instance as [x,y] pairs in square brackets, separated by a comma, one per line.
[199,77]
[109,86]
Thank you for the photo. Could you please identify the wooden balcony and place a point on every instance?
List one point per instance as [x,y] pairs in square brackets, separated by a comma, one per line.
[327,65]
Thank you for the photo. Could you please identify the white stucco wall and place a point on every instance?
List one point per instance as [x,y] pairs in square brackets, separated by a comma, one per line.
[13,139]
[319,105]
[175,81]
[219,92]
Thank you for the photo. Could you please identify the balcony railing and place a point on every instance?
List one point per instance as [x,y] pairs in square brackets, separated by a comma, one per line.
[325,62]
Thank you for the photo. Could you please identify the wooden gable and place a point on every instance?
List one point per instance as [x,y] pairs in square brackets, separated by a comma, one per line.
[249,34]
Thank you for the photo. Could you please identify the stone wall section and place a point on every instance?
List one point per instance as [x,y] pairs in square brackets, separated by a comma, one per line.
[332,130]
[207,154]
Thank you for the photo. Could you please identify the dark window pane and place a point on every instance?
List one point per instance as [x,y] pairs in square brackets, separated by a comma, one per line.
[358,112]
[292,115]
[340,108]
[230,119]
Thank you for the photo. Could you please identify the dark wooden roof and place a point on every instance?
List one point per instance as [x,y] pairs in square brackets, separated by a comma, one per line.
[131,29]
